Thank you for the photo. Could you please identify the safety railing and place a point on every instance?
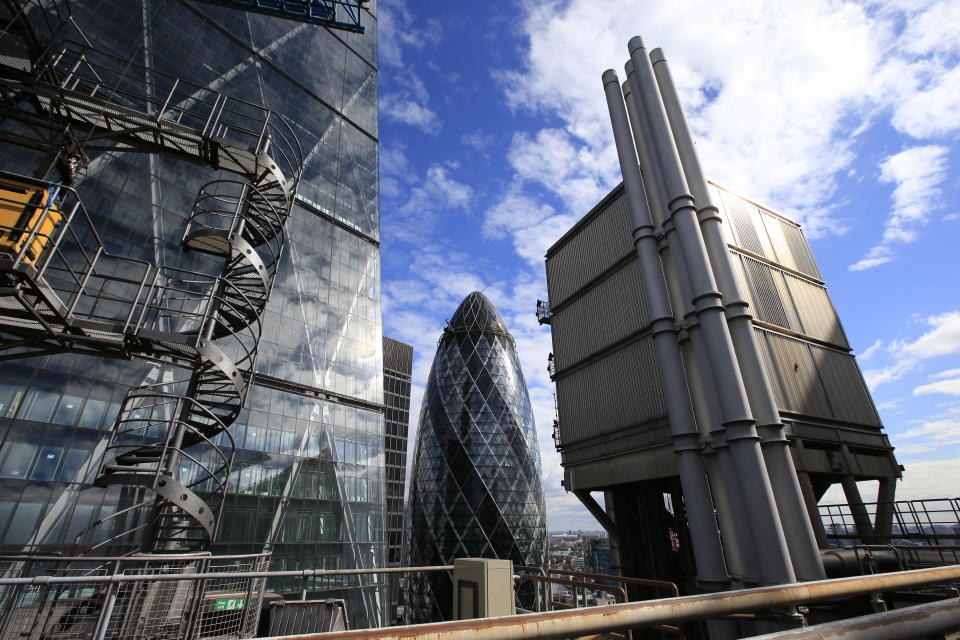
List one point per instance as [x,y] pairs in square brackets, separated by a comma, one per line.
[164,110]
[176,597]
[929,521]
[334,14]
[39,23]
[575,623]
[131,597]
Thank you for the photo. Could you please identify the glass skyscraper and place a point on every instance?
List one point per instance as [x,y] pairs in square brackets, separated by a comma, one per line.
[476,488]
[308,477]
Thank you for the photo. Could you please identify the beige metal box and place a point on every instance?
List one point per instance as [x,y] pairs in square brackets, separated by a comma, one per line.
[482,588]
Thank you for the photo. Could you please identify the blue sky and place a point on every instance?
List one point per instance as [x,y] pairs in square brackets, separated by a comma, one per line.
[843,115]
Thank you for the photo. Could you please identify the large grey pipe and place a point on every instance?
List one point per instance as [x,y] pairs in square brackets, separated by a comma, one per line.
[741,434]
[704,535]
[804,551]
[735,533]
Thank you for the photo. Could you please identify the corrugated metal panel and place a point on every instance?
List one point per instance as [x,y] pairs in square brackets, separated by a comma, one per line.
[620,391]
[767,297]
[817,315]
[802,255]
[797,372]
[739,272]
[781,249]
[728,237]
[846,390]
[768,364]
[601,243]
[743,215]
[603,315]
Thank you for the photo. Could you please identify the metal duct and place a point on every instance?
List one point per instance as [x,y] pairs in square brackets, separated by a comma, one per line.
[736,536]
[686,438]
[738,422]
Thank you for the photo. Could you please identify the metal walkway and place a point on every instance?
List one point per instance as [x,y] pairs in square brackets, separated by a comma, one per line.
[62,290]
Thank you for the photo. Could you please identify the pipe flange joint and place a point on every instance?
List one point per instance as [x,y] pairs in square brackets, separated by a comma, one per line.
[642,231]
[680,204]
[770,433]
[740,430]
[709,213]
[708,300]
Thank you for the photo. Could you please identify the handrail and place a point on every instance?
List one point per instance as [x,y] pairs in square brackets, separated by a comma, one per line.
[581,622]
[167,577]
[646,582]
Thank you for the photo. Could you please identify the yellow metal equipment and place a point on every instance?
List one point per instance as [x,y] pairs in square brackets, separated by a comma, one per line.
[26,209]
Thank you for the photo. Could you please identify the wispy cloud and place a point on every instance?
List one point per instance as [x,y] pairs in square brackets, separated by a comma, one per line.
[950,387]
[918,173]
[942,339]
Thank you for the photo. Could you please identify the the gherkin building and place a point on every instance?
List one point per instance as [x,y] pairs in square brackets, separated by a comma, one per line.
[476,488]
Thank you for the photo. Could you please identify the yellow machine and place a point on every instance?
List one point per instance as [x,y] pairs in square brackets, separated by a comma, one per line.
[25,208]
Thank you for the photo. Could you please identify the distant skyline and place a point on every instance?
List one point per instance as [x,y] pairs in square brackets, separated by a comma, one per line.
[843,115]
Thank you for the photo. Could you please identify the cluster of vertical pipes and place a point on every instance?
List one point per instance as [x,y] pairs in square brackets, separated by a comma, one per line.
[747,517]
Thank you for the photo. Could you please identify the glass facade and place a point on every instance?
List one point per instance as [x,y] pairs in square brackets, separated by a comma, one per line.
[308,482]
[476,487]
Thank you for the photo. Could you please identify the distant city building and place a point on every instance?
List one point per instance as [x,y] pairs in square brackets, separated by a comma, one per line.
[614,433]
[599,559]
[397,372]
[476,484]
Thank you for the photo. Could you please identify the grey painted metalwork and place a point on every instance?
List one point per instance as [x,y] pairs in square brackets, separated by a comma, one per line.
[737,536]
[685,435]
[475,488]
[910,623]
[739,426]
[779,464]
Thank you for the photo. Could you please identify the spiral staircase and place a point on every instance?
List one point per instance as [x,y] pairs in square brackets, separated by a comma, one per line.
[62,290]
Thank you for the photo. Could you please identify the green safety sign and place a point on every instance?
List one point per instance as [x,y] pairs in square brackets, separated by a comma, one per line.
[229,604]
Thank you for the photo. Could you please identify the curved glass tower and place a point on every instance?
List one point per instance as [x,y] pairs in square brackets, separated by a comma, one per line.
[476,489]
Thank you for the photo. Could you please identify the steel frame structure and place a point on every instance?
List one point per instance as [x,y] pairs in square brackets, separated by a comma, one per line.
[335,14]
[62,289]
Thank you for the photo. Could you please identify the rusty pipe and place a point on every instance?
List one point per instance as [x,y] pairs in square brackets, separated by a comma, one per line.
[581,622]
[921,621]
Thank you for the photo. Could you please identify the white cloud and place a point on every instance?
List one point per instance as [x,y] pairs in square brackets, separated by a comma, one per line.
[940,432]
[933,110]
[478,140]
[533,226]
[951,387]
[917,172]
[402,108]
[422,204]
[754,128]
[929,479]
[949,373]
[399,29]
[875,377]
[870,351]
[875,257]
[406,99]
[943,339]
